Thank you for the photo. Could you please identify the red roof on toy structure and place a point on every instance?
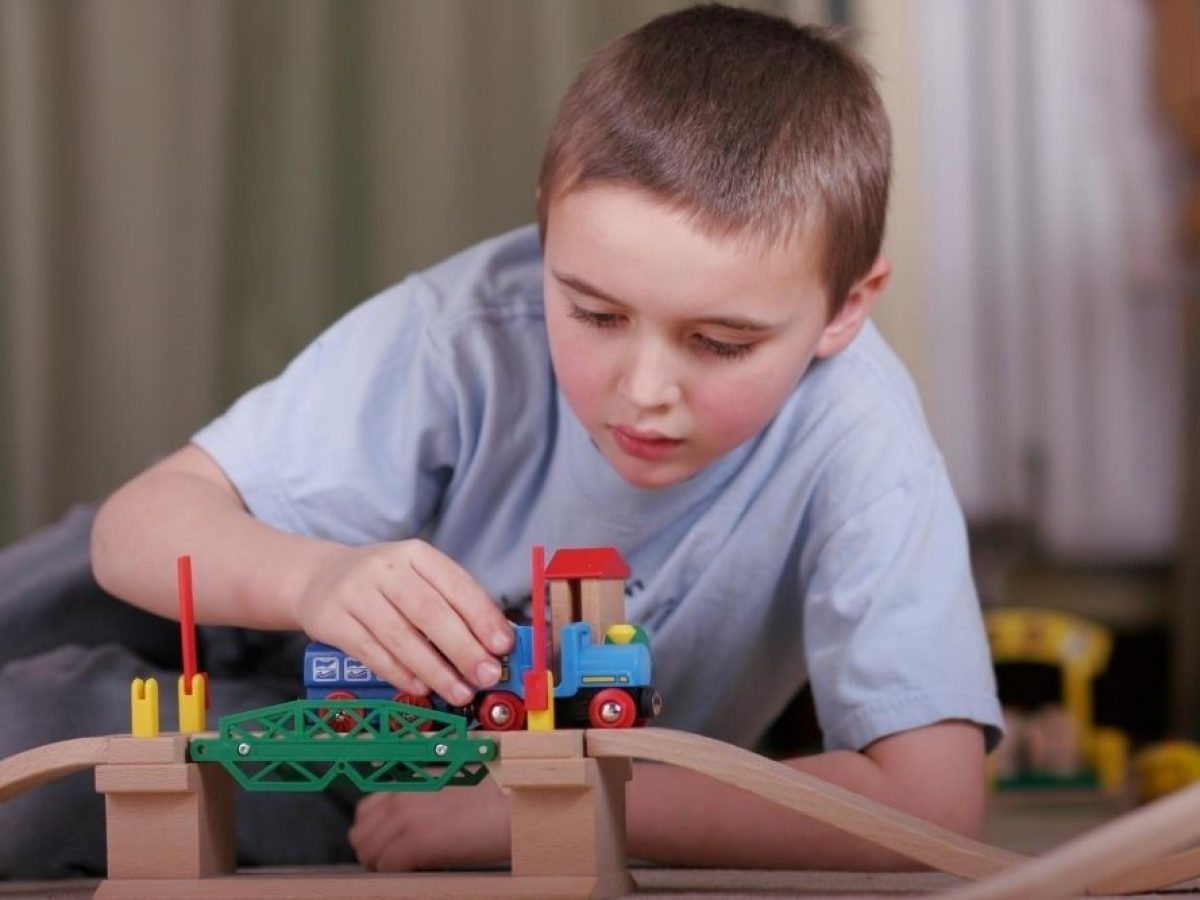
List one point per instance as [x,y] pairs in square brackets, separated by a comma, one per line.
[587,562]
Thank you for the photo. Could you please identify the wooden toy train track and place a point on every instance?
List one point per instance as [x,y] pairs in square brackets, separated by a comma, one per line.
[1126,855]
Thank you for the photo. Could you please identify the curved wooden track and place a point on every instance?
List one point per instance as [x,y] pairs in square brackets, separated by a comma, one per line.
[1152,875]
[1135,844]
[907,835]
[45,764]
[1124,856]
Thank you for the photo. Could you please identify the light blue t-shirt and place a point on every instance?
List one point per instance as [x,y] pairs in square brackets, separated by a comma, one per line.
[828,547]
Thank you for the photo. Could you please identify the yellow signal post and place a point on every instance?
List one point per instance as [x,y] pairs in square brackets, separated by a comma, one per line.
[143,703]
[542,719]
[192,705]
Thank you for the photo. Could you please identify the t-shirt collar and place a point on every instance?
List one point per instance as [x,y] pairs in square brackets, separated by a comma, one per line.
[622,503]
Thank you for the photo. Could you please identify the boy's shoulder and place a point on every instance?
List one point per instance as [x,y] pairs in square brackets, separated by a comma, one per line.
[867,387]
[480,302]
[854,429]
[498,277]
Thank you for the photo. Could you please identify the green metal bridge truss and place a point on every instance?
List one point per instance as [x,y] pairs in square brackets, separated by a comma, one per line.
[376,745]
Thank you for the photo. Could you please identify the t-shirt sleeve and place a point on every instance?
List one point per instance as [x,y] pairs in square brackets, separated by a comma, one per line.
[893,632]
[357,438]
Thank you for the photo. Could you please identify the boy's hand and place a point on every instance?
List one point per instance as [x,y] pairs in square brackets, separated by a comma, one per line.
[453,828]
[411,613]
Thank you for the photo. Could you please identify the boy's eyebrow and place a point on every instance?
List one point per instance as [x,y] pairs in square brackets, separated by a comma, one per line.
[580,286]
[735,323]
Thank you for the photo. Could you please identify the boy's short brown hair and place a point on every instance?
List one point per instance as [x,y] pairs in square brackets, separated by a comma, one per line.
[753,125]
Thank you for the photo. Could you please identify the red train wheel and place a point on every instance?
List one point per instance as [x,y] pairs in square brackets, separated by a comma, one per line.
[340,721]
[501,711]
[612,708]
[415,700]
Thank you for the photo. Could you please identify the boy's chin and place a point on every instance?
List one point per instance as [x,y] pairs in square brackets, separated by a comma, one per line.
[650,476]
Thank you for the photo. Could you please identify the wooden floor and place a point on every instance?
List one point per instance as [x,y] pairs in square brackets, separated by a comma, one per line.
[1025,825]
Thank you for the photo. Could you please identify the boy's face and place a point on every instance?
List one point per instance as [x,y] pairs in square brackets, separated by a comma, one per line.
[671,346]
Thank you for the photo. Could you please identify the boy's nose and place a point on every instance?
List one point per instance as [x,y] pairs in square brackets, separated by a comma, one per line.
[650,380]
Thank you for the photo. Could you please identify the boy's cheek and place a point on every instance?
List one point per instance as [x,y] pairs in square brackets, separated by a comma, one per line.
[579,372]
[737,408]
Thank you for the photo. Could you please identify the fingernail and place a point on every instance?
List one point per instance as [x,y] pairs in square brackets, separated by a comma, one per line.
[501,641]
[419,687]
[460,694]
[488,673]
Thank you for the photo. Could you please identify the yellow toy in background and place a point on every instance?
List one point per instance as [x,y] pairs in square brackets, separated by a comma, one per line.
[1057,746]
[1165,767]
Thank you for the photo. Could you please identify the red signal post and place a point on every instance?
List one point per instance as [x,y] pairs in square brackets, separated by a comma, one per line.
[187,627]
[537,693]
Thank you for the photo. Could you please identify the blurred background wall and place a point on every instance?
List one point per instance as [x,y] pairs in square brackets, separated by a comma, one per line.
[190,191]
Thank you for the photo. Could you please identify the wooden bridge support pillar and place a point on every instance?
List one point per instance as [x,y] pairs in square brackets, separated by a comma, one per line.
[170,820]
[167,819]
[568,813]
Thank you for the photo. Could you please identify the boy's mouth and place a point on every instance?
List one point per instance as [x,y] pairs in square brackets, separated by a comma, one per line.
[649,445]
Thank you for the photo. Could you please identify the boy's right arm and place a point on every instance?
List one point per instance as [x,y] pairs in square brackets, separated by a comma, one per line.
[404,608]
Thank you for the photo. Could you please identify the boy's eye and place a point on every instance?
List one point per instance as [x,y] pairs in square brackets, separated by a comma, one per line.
[723,349]
[703,343]
[596,319]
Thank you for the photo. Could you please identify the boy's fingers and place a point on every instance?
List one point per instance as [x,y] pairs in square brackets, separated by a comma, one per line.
[376,825]
[372,807]
[455,641]
[380,660]
[477,609]
[371,843]
[399,634]
[438,619]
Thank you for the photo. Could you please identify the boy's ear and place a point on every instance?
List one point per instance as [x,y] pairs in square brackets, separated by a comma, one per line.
[845,326]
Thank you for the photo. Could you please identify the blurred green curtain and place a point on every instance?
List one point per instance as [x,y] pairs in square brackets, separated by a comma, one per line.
[190,191]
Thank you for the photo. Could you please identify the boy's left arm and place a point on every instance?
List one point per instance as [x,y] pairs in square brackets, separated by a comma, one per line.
[680,818]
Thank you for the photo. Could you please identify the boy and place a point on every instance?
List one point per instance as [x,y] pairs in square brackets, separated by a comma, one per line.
[678,363]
